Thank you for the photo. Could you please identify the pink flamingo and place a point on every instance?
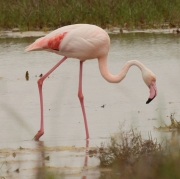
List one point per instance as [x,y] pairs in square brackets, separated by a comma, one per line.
[84,42]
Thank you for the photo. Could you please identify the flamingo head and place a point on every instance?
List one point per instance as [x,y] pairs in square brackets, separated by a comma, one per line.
[150,80]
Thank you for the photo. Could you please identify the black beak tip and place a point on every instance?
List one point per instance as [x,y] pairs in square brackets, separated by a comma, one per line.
[149,100]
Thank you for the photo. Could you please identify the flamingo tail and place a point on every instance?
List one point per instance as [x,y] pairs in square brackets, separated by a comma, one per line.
[36,46]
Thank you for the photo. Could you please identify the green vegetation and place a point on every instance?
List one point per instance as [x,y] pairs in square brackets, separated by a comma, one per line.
[128,156]
[45,14]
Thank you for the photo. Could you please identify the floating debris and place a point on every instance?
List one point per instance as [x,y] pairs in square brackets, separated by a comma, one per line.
[14,154]
[103,105]
[41,75]
[21,148]
[93,152]
[175,125]
[152,119]
[47,158]
[27,75]
[17,170]
[174,102]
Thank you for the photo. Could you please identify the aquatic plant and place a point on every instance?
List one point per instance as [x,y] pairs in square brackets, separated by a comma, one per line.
[129,156]
[175,125]
[127,147]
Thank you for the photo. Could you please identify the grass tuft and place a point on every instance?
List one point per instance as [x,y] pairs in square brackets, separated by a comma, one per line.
[129,156]
[36,14]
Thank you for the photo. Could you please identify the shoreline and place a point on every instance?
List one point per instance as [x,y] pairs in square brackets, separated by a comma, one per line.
[113,30]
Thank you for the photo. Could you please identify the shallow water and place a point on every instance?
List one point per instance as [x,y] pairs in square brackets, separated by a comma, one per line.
[64,127]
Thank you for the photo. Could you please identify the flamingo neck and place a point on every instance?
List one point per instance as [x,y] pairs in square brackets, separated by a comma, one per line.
[117,78]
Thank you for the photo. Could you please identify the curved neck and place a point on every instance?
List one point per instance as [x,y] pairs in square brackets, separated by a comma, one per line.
[117,78]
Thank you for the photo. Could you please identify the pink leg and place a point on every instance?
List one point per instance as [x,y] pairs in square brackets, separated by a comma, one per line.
[40,83]
[81,99]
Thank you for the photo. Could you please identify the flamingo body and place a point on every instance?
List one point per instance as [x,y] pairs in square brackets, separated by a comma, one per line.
[81,41]
[84,42]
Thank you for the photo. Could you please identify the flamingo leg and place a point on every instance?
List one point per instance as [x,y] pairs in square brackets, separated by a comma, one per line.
[81,99]
[40,83]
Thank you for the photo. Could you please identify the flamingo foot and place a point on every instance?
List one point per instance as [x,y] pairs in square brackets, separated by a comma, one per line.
[38,135]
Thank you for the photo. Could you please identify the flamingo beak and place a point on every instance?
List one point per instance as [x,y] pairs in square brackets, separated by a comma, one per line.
[153,92]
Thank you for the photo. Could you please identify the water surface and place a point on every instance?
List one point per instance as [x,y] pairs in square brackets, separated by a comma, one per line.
[123,103]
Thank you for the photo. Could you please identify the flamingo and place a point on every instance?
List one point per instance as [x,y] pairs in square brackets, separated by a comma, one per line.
[84,42]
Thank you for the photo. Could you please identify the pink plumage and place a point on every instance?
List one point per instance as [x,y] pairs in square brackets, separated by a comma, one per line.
[81,41]
[84,41]
[45,43]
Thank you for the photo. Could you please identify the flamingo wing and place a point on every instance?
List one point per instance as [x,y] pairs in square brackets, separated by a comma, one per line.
[52,40]
[80,41]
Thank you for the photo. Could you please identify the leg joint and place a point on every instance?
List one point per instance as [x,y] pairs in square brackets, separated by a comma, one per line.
[40,82]
[81,96]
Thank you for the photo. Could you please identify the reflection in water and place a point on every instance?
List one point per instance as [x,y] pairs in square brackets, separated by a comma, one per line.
[43,171]
[86,157]
[38,161]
